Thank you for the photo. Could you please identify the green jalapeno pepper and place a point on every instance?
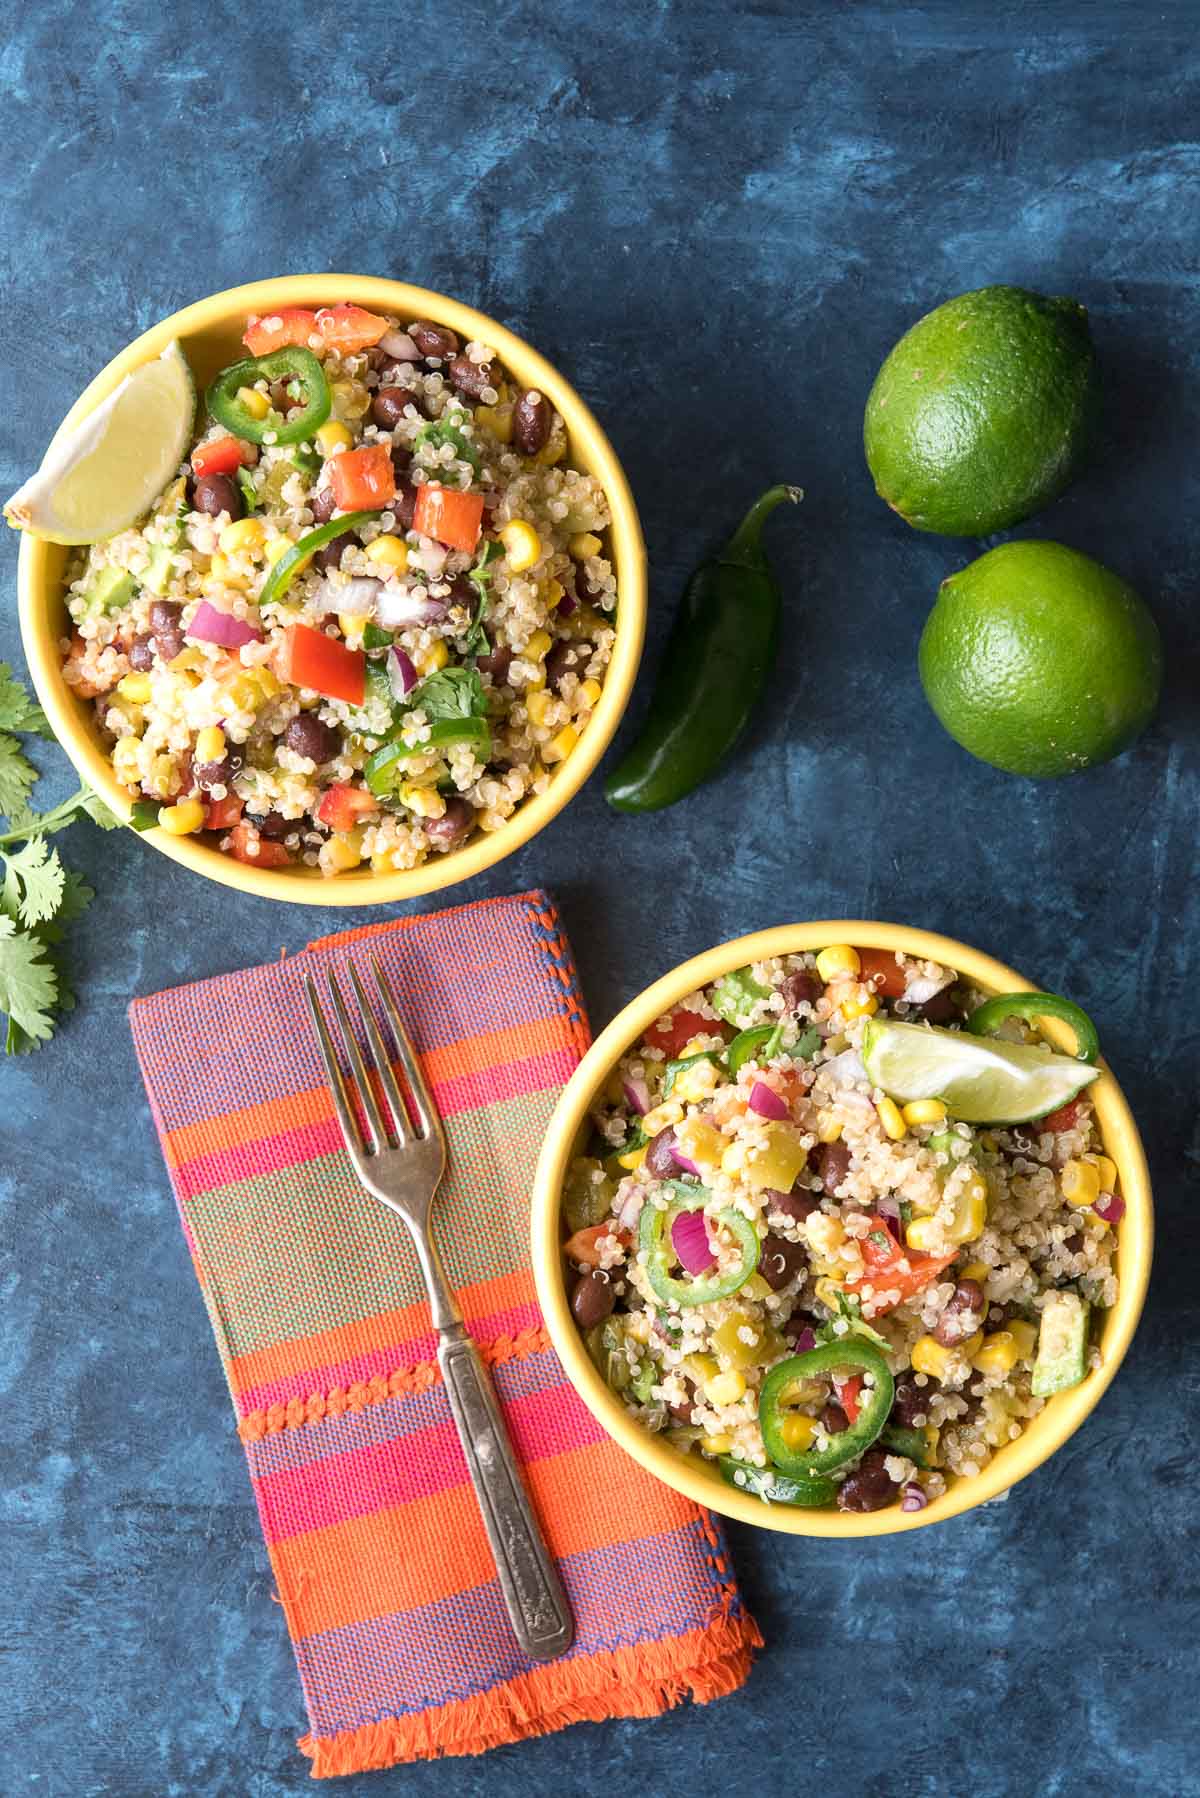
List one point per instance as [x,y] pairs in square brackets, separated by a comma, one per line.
[717,660]
[301,553]
[293,364]
[654,1237]
[773,1487]
[747,1044]
[902,1440]
[875,1404]
[988,1016]
[383,769]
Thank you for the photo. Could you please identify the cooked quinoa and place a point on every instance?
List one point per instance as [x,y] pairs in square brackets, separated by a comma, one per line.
[473,664]
[749,1107]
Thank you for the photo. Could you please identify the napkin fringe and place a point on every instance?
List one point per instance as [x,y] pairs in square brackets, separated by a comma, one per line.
[639,1680]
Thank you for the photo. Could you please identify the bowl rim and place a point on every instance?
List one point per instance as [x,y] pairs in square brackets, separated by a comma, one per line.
[1065,1412]
[629,558]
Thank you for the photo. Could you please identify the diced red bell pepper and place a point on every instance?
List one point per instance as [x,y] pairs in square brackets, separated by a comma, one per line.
[342,806]
[309,658]
[453,518]
[348,328]
[247,844]
[363,480]
[222,456]
[881,968]
[673,1036]
[222,814]
[1065,1118]
[275,330]
[847,1395]
[893,1268]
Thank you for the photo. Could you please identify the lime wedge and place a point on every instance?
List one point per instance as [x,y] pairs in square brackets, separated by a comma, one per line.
[106,473]
[981,1081]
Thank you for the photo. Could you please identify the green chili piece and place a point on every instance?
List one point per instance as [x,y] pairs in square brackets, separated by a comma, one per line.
[301,553]
[143,814]
[721,649]
[375,637]
[990,1015]
[908,1442]
[747,1043]
[851,1353]
[774,1487]
[654,1237]
[291,363]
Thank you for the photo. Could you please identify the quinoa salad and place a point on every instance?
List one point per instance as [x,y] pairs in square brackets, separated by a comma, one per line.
[370,615]
[788,1255]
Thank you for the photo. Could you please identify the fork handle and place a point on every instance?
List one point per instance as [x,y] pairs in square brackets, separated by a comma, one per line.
[537,1605]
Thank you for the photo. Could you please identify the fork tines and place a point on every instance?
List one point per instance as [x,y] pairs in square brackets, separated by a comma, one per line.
[396,1129]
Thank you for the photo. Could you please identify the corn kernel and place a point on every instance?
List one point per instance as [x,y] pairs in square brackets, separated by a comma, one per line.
[829,1292]
[924,1111]
[589,694]
[755,1288]
[210,744]
[716,1445]
[798,1431]
[925,1235]
[929,1357]
[497,421]
[700,1141]
[825,1233]
[276,549]
[633,1158]
[522,545]
[1107,1171]
[840,958]
[434,658]
[726,1389]
[389,553]
[997,1354]
[126,757]
[135,687]
[426,802]
[560,747]
[698,1082]
[333,436]
[662,1117]
[860,1004]
[701,1368]
[182,819]
[583,545]
[222,573]
[538,704]
[341,852]
[252,401]
[975,1270]
[243,534]
[889,1116]
[552,591]
[553,452]
[537,647]
[970,1212]
[1025,1336]
[383,861]
[828,1128]
[933,1436]
[1080,1181]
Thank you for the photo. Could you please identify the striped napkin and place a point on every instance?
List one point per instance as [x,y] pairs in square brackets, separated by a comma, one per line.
[378,1550]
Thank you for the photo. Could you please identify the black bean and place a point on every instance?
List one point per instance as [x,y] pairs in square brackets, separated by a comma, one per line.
[584,591]
[869,1487]
[330,555]
[454,822]
[1074,1242]
[403,505]
[834,1420]
[496,664]
[220,773]
[322,505]
[434,340]
[387,408]
[592,1299]
[307,735]
[832,1165]
[796,1205]
[943,1008]
[165,615]
[962,1315]
[216,493]
[659,1157]
[141,653]
[275,826]
[910,1401]
[800,988]
[169,643]
[780,1260]
[531,422]
[565,657]
[682,1412]
[472,377]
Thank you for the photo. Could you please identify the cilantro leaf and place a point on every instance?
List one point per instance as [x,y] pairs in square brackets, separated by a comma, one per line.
[16,776]
[28,987]
[450,693]
[94,808]
[40,877]
[17,710]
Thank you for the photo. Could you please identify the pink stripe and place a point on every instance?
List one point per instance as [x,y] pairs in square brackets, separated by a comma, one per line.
[407,1353]
[367,1480]
[290,1148]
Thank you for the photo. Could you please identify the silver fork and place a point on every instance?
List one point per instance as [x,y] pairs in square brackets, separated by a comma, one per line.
[402,1167]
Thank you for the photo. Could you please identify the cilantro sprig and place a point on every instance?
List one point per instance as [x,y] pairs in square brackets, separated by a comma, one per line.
[39,896]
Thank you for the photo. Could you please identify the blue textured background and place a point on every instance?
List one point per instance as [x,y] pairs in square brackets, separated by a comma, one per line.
[716,225]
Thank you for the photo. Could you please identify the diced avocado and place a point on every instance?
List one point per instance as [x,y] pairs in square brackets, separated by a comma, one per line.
[1062,1344]
[157,576]
[111,589]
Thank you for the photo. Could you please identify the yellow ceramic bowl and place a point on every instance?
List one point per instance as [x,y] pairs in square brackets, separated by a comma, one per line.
[1060,1417]
[210,333]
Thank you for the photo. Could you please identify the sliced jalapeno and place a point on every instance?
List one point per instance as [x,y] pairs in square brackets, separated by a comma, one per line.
[291,364]
[654,1236]
[773,1487]
[301,553]
[987,1018]
[875,1403]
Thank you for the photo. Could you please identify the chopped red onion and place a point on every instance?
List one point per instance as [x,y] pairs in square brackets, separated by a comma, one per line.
[888,1208]
[211,625]
[400,345]
[398,606]
[402,674]
[921,988]
[804,1341]
[637,1096]
[681,1160]
[567,604]
[689,1239]
[357,595]
[766,1102]
[912,1496]
[431,556]
[629,1210]
[1110,1206]
[845,1069]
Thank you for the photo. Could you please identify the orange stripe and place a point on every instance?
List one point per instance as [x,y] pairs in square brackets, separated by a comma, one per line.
[387,1329]
[421,1552]
[271,1117]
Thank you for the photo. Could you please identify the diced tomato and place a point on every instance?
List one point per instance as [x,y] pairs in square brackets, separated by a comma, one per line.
[893,1268]
[1065,1118]
[222,456]
[248,845]
[350,328]
[342,806]
[309,658]
[453,518]
[363,480]
[881,968]
[222,814]
[582,1248]
[673,1036]
[275,330]
[847,1395]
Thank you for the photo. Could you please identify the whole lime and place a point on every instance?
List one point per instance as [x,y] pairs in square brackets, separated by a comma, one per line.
[1040,661]
[984,411]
